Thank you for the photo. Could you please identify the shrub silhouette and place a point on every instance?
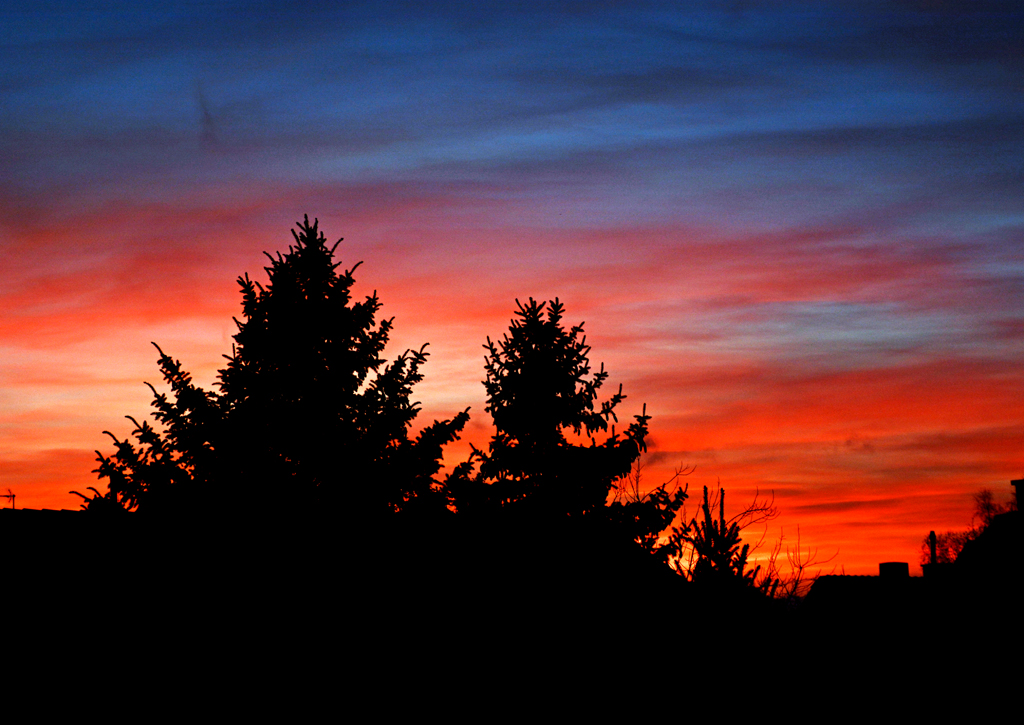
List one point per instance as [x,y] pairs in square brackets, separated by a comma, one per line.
[948,545]
[308,411]
[719,559]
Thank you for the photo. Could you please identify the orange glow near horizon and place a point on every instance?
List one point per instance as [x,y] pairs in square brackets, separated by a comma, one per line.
[863,461]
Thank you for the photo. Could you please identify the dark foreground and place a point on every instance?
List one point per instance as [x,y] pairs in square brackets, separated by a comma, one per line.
[284,577]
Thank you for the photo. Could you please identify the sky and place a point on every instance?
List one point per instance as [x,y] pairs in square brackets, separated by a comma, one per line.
[794,230]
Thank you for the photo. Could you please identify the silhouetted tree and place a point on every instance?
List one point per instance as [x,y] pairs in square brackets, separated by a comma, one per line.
[948,545]
[308,414]
[540,391]
[647,512]
[712,548]
[993,551]
[986,509]
[794,584]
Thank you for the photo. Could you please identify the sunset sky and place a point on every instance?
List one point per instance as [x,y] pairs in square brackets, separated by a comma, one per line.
[795,230]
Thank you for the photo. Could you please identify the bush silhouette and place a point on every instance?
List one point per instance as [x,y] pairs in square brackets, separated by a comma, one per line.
[949,545]
[308,412]
[720,559]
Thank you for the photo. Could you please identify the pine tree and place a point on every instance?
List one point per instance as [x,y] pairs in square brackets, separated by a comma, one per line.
[541,393]
[308,412]
[720,556]
[710,552]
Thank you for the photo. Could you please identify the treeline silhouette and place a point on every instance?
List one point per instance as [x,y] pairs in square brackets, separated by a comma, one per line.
[945,548]
[301,472]
[309,432]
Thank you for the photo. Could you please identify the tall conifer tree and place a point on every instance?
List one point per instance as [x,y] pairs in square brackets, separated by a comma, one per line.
[542,395]
[308,413]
